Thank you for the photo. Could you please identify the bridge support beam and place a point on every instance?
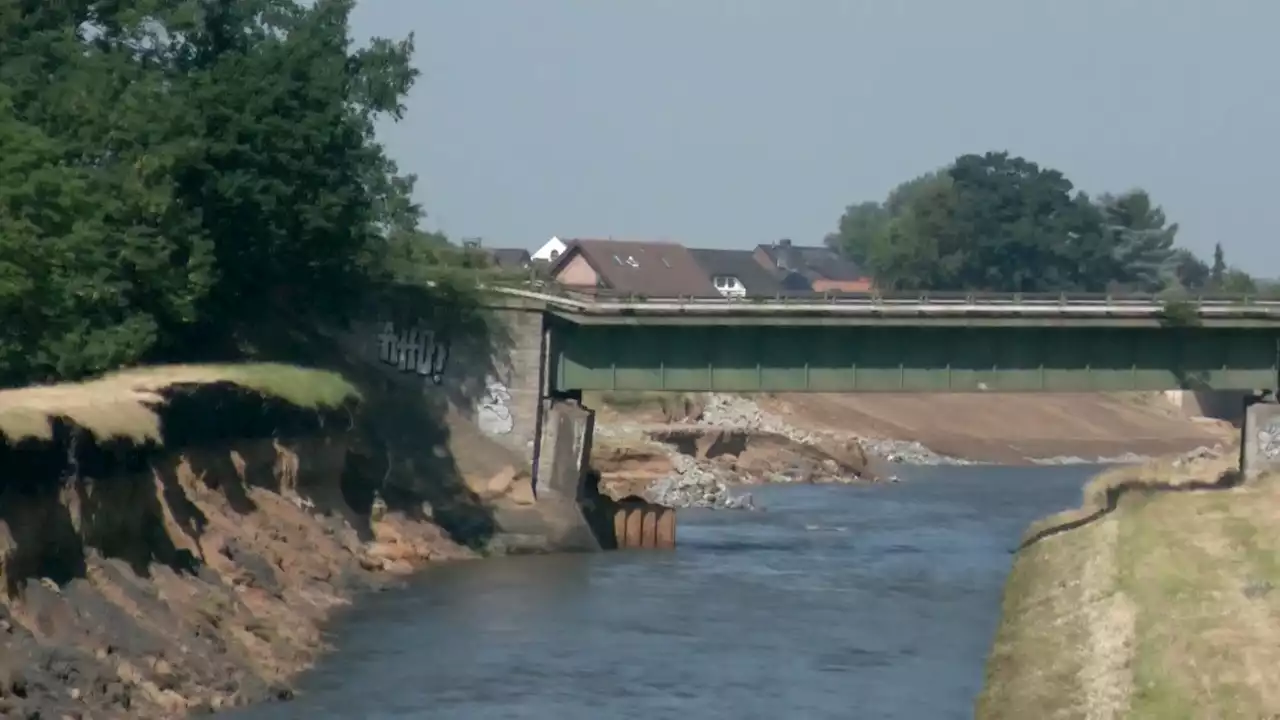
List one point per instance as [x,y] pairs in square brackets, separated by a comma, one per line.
[1259,436]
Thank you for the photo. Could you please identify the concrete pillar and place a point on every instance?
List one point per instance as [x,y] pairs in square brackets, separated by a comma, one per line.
[1259,437]
[565,488]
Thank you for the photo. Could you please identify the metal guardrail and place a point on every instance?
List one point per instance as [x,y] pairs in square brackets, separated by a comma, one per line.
[900,303]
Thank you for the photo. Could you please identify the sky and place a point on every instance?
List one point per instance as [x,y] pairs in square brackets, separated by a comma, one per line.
[728,123]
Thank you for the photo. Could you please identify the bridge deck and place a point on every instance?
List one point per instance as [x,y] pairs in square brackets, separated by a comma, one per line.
[918,343]
[871,358]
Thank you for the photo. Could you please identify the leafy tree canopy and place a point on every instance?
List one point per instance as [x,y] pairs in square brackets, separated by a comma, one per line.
[170,169]
[1001,223]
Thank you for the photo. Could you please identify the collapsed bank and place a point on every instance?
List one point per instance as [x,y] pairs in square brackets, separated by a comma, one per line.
[173,539]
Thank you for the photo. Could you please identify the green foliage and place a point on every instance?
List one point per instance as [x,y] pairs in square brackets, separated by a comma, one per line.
[1190,272]
[989,222]
[171,170]
[1237,282]
[97,252]
[1000,223]
[863,227]
[1268,289]
[1179,312]
[1142,242]
[1219,270]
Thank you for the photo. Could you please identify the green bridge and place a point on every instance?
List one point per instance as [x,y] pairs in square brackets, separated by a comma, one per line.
[919,344]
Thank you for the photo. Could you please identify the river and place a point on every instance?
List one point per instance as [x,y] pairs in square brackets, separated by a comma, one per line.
[836,602]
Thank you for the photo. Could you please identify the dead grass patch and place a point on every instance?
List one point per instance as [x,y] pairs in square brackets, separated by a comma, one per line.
[122,404]
[1202,569]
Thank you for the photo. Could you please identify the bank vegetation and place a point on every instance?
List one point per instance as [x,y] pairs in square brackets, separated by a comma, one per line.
[1155,599]
[172,173]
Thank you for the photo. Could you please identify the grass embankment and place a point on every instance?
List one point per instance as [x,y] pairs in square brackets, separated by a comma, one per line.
[1166,607]
[123,404]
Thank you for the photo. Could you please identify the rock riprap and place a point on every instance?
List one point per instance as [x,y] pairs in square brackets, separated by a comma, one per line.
[692,485]
[737,412]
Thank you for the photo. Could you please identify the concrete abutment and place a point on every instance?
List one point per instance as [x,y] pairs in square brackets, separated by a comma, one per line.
[1260,436]
[580,517]
[477,406]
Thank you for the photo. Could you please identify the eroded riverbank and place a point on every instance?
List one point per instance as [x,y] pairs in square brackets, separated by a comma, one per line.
[837,602]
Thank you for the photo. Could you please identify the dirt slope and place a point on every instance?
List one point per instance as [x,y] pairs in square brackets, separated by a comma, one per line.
[173,540]
[1008,427]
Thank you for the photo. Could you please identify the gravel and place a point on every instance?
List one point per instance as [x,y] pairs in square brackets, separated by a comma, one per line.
[1125,459]
[704,484]
[740,413]
[693,485]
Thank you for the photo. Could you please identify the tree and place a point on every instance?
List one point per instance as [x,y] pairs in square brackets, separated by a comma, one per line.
[172,170]
[920,248]
[299,196]
[859,227]
[997,222]
[863,225]
[1020,229]
[1143,241]
[1219,271]
[1237,282]
[99,252]
[1190,272]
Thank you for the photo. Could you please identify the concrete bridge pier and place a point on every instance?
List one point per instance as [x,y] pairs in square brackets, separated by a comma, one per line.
[563,474]
[581,518]
[1259,435]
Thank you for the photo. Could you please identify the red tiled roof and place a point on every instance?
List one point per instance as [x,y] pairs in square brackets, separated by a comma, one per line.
[643,268]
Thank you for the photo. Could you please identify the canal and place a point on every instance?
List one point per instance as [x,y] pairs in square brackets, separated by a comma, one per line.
[836,602]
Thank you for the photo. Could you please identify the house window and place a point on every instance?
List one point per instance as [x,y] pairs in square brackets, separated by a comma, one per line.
[729,285]
[555,254]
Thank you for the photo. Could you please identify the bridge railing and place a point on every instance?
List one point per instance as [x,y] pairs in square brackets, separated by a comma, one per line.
[910,298]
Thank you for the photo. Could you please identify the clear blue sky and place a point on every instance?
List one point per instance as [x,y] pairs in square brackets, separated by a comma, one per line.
[725,123]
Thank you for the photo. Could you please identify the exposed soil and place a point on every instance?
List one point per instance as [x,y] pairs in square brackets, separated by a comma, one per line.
[201,588]
[1008,427]
[629,466]
[171,577]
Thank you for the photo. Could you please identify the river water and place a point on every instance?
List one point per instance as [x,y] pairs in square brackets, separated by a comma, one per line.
[836,602]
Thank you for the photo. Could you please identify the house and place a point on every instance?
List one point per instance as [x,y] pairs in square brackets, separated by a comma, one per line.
[653,269]
[550,250]
[509,258]
[817,268]
[736,273]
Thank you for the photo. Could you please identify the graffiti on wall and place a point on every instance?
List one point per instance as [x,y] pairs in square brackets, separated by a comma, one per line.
[493,411]
[414,349]
[1269,438]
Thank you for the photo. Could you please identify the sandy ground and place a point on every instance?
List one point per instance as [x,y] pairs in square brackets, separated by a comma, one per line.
[1008,427]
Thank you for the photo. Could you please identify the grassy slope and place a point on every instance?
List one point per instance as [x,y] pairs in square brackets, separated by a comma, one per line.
[120,404]
[1160,609]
